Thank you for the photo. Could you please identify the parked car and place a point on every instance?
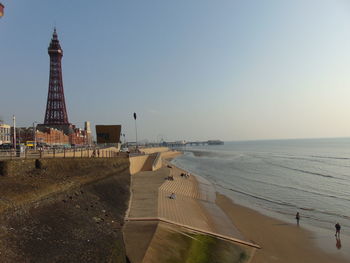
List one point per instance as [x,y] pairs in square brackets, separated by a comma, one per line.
[6,146]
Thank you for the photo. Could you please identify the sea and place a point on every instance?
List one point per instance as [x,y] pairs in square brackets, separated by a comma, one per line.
[281,177]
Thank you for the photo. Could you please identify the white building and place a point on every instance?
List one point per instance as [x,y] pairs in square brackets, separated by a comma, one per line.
[88,132]
[5,133]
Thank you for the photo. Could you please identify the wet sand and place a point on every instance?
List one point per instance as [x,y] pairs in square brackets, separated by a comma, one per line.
[281,242]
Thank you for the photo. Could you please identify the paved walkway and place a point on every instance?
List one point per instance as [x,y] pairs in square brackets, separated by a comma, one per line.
[144,193]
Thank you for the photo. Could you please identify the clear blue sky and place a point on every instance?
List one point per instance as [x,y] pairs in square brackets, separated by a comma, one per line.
[232,70]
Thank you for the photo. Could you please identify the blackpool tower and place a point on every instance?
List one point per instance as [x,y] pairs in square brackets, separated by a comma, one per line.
[56,113]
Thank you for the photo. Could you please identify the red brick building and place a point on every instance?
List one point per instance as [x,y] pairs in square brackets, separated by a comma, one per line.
[79,137]
[52,137]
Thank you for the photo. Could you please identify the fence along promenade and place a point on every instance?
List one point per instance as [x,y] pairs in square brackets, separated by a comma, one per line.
[87,152]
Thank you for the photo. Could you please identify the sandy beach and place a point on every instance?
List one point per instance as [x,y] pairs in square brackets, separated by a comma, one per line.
[280,241]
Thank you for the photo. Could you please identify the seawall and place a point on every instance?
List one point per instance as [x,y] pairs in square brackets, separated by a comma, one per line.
[63,210]
[152,161]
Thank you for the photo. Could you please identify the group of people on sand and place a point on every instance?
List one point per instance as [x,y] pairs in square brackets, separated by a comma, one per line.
[170,178]
[185,175]
[337,230]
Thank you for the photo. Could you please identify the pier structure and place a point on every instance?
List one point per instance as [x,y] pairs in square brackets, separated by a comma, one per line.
[192,143]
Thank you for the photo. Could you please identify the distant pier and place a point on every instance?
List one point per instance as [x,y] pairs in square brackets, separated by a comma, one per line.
[192,143]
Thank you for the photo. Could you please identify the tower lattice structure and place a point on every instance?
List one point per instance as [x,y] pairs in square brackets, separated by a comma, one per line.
[56,112]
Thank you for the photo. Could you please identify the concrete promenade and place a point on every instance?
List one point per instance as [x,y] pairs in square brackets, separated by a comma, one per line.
[193,208]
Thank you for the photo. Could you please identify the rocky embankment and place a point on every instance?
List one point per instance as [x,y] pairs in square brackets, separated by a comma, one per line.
[63,210]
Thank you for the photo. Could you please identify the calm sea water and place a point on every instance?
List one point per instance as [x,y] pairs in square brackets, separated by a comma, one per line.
[279,178]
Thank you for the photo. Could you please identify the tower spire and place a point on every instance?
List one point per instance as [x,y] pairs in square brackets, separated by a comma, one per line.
[54,35]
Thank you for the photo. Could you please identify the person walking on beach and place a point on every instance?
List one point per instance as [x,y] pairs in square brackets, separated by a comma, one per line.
[337,229]
[297,217]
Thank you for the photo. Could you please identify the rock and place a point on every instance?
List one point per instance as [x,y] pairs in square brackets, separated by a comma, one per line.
[97,219]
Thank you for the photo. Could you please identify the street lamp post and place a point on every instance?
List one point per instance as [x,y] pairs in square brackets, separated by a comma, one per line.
[14,132]
[34,134]
[135,117]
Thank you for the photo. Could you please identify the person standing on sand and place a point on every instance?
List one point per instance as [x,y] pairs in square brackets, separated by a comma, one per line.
[337,229]
[297,217]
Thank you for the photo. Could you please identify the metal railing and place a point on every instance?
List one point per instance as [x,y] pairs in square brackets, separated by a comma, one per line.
[81,152]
